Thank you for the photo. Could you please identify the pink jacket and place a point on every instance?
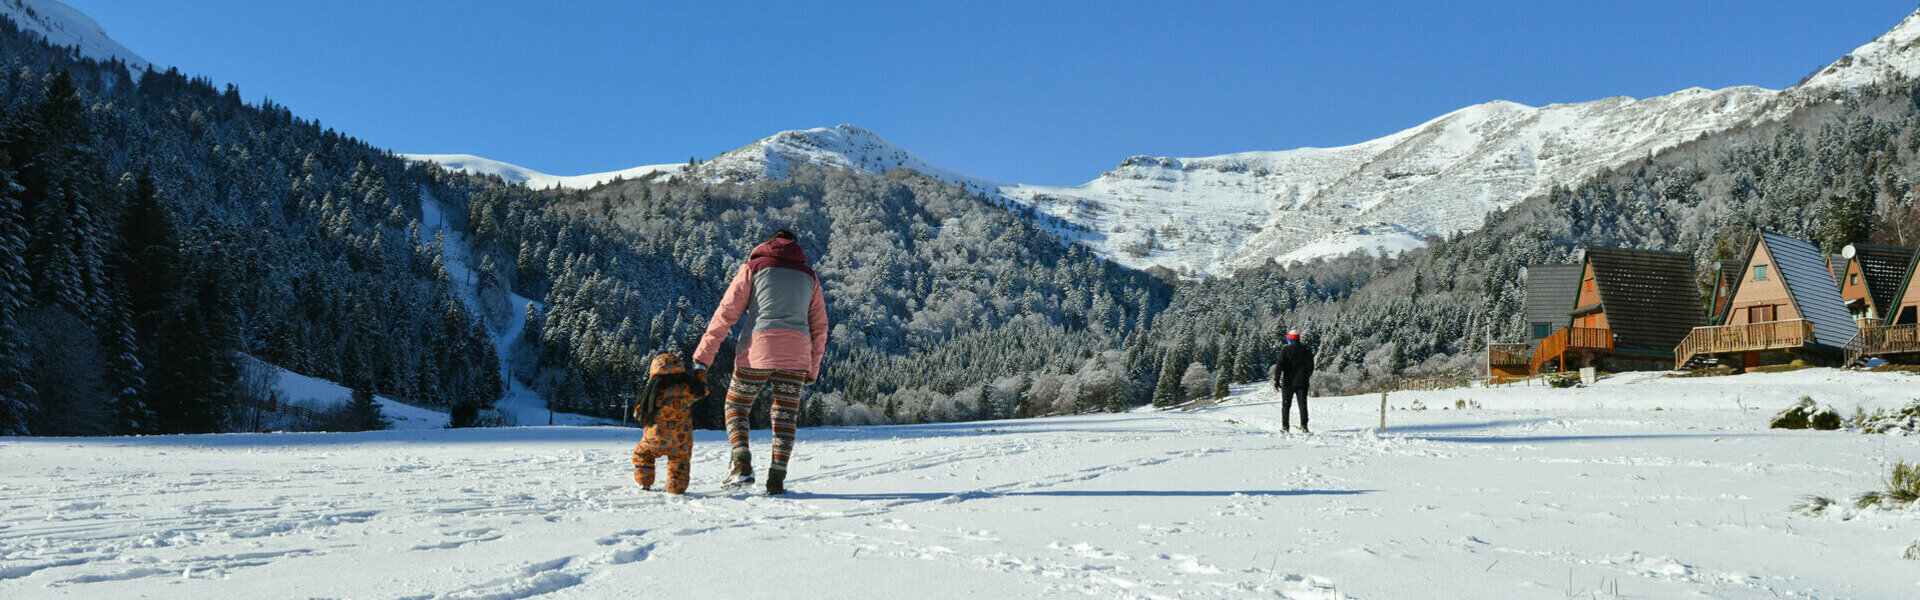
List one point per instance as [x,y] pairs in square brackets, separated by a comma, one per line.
[786,318]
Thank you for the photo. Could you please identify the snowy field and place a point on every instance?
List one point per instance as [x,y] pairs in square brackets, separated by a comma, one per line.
[1637,487]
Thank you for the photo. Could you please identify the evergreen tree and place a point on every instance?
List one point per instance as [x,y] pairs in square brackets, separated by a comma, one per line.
[62,196]
[363,413]
[15,409]
[1172,367]
[1850,217]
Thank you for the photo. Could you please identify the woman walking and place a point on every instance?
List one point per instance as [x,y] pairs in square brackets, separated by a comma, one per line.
[782,337]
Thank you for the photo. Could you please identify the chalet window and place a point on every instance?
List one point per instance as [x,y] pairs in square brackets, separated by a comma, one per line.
[1760,273]
[1906,316]
[1542,330]
[1760,314]
[1853,279]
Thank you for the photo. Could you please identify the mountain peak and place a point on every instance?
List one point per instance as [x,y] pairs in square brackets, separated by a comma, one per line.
[62,25]
[1893,55]
[841,146]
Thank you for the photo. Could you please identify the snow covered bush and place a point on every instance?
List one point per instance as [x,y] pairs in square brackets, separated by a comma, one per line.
[1197,382]
[1913,551]
[1906,420]
[858,414]
[1805,414]
[1564,380]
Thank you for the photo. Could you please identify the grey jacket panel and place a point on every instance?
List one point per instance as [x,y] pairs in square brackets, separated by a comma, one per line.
[781,300]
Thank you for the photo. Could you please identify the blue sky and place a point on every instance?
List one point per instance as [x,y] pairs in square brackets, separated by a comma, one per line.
[1034,92]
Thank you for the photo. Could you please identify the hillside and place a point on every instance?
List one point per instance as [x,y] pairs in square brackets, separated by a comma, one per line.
[61,25]
[1638,487]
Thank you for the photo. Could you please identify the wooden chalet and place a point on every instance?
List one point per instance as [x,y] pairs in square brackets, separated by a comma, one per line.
[1871,277]
[1629,309]
[1550,290]
[1891,331]
[1784,304]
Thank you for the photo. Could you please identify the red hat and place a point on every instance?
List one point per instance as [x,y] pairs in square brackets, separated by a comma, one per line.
[1293,334]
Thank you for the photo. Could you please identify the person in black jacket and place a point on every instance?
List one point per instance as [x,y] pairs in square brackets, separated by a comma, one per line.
[1290,374]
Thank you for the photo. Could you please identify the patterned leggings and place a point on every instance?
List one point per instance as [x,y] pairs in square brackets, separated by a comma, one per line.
[745,389]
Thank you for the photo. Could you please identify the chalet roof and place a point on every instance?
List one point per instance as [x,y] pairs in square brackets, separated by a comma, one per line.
[1883,268]
[1837,268]
[1551,288]
[1727,274]
[1650,297]
[1803,271]
[1892,311]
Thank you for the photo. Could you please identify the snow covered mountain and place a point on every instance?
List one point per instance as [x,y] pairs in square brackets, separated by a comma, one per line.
[64,26]
[843,146]
[1890,56]
[1208,216]
[1211,215]
[512,173]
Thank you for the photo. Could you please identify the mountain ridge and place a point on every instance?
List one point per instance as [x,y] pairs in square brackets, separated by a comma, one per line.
[1213,215]
[63,25]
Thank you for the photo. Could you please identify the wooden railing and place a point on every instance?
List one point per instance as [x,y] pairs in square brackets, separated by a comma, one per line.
[1507,354]
[1752,337]
[1874,340]
[1571,339]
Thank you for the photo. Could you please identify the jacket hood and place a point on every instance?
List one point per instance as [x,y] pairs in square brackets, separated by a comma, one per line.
[781,249]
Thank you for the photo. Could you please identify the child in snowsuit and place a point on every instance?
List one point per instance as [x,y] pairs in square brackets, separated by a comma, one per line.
[665,411]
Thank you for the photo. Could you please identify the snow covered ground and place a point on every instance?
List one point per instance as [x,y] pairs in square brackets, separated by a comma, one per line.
[1636,487]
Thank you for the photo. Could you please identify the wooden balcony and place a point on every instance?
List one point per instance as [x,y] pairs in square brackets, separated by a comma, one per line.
[1752,337]
[1571,340]
[1879,340]
[1502,355]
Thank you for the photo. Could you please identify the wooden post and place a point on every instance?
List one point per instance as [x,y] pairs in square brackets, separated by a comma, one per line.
[1383,411]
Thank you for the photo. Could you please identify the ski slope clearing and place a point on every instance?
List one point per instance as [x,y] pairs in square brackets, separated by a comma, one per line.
[1638,486]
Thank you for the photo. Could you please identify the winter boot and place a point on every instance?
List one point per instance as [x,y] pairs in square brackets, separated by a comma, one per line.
[776,482]
[742,475]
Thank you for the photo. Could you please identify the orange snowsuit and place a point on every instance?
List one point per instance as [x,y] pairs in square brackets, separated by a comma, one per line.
[671,434]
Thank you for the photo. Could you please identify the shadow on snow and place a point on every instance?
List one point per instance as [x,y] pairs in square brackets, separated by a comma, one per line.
[980,495]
